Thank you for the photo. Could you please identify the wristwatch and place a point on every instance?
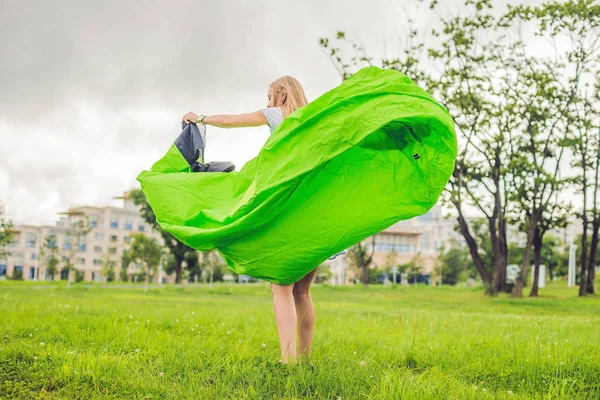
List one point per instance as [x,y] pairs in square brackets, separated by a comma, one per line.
[200,118]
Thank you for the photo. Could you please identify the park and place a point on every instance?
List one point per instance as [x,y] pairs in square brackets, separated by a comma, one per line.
[100,341]
[414,214]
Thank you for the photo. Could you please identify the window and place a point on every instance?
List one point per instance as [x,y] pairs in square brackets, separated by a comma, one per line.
[67,246]
[3,268]
[81,247]
[33,256]
[93,221]
[97,249]
[141,227]
[126,239]
[32,273]
[81,261]
[114,221]
[112,250]
[113,238]
[128,222]
[99,236]
[97,262]
[30,239]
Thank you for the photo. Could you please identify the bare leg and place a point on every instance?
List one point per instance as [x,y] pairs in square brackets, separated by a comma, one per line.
[285,316]
[305,312]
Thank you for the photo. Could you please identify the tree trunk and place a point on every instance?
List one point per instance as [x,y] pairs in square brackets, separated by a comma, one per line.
[499,260]
[537,254]
[364,275]
[583,265]
[502,257]
[178,267]
[473,250]
[520,282]
[146,280]
[591,273]
[595,225]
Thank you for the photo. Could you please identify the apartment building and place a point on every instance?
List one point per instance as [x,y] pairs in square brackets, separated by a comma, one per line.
[422,236]
[110,230]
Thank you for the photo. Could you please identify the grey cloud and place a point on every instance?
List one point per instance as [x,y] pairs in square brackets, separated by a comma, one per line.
[92,92]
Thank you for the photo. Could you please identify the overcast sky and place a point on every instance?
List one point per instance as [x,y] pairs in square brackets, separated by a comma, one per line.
[91,93]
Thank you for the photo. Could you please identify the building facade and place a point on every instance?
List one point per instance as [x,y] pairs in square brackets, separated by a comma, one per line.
[403,242]
[110,230]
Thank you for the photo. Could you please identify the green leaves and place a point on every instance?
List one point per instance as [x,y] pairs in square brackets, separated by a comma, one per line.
[146,250]
[516,110]
[5,233]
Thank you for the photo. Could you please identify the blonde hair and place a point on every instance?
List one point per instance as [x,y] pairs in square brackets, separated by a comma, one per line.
[294,94]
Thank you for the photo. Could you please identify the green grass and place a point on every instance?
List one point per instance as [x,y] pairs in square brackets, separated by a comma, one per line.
[90,341]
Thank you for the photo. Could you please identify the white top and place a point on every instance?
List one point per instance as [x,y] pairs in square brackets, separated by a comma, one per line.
[274,115]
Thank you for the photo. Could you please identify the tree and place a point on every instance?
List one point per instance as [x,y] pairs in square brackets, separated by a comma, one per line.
[554,256]
[512,111]
[108,267]
[212,265]
[554,217]
[125,261]
[193,266]
[148,252]
[5,233]
[179,250]
[323,273]
[75,236]
[413,268]
[578,22]
[391,260]
[452,264]
[50,254]
[465,86]
[361,256]
[539,145]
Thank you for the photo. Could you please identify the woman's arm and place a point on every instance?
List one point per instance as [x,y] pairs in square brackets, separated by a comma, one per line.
[256,118]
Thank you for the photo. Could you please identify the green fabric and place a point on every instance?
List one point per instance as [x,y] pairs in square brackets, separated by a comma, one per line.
[335,172]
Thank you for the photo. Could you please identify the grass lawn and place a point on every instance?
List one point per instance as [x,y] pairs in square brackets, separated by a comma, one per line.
[119,342]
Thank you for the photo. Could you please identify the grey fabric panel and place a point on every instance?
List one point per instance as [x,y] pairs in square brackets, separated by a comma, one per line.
[190,142]
[220,166]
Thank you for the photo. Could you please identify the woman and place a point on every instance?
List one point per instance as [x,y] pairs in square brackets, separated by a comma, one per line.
[292,303]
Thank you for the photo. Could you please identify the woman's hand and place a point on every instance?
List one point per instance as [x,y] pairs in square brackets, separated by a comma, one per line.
[190,117]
